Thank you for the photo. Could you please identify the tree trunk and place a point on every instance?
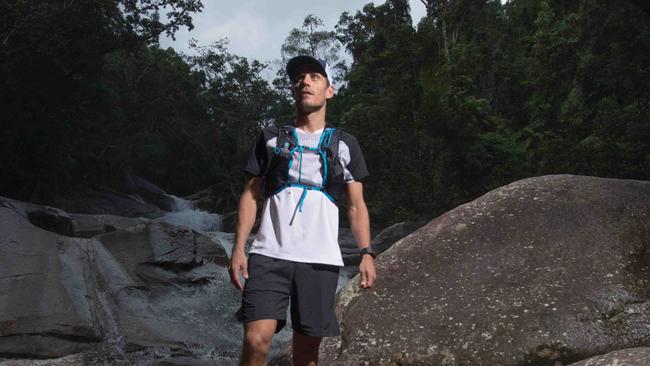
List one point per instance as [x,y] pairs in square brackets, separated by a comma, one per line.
[439,15]
[445,42]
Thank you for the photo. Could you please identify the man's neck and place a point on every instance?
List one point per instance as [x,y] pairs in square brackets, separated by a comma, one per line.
[311,122]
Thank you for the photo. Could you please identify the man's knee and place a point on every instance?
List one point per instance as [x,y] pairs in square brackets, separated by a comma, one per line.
[259,342]
[258,336]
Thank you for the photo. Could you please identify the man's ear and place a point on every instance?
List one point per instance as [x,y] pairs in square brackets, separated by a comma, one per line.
[330,92]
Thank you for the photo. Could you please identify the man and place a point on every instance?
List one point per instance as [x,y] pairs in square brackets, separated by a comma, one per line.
[305,171]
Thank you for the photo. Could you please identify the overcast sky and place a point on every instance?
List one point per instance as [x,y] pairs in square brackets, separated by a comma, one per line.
[256,29]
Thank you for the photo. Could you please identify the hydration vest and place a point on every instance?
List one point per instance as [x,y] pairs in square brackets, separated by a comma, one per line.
[287,143]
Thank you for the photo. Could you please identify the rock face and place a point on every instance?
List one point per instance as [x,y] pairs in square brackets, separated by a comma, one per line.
[543,270]
[626,357]
[108,202]
[130,284]
[393,233]
[380,243]
[132,197]
[149,192]
[210,199]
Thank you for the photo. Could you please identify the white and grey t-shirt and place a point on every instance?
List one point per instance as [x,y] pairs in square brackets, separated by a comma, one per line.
[310,235]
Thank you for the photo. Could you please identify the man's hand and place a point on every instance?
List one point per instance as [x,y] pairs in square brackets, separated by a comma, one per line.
[238,263]
[245,219]
[367,271]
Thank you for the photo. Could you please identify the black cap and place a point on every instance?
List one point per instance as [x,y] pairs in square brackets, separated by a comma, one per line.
[321,65]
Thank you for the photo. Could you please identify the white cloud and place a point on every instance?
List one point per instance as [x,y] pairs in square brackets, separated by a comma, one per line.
[244,30]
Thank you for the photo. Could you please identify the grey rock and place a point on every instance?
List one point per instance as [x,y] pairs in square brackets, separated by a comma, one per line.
[149,192]
[87,226]
[106,201]
[192,361]
[39,315]
[394,233]
[148,357]
[210,199]
[229,222]
[76,225]
[44,217]
[626,357]
[545,270]
[381,242]
[76,359]
[143,284]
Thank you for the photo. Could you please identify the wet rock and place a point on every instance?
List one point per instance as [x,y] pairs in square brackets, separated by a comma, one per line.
[106,201]
[626,357]
[229,222]
[149,192]
[191,361]
[75,359]
[211,200]
[87,226]
[143,284]
[44,217]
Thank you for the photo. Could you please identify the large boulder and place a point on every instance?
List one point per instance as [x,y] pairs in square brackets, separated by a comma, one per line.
[129,196]
[380,243]
[143,284]
[626,357]
[545,270]
[78,225]
[106,201]
[211,199]
[149,192]
[389,236]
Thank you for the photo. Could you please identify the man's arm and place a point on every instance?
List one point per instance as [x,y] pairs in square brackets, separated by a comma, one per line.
[360,226]
[246,213]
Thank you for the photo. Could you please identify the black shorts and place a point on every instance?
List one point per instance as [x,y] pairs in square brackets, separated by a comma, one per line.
[273,282]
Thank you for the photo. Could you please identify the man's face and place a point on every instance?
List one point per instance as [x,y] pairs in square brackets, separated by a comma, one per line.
[310,89]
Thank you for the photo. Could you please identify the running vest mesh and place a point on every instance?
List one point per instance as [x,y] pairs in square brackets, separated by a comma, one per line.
[277,176]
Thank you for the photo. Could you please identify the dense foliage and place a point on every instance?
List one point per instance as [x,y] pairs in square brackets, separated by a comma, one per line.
[482,94]
[477,95]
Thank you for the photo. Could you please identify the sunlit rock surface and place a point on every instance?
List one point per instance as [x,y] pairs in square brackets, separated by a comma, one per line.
[626,357]
[545,269]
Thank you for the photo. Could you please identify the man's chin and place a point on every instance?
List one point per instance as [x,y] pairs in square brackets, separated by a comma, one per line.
[309,108]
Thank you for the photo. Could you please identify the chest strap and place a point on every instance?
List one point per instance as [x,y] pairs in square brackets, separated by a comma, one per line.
[323,144]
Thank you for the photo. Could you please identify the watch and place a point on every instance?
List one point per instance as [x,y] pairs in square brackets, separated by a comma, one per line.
[367,250]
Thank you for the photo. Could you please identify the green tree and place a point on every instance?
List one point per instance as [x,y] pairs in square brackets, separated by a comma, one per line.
[379,105]
[239,101]
[51,60]
[309,39]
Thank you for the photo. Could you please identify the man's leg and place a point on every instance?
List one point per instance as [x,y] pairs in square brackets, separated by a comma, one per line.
[264,305]
[312,310]
[305,349]
[257,341]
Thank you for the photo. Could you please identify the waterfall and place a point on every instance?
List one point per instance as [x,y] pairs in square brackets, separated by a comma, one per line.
[188,216]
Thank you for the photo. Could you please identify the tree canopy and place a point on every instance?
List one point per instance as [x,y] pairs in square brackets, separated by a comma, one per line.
[477,95]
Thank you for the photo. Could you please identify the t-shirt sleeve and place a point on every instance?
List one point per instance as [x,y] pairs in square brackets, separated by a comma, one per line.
[356,168]
[258,159]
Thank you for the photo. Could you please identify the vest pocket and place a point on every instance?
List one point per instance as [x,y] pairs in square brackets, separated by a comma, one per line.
[335,178]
